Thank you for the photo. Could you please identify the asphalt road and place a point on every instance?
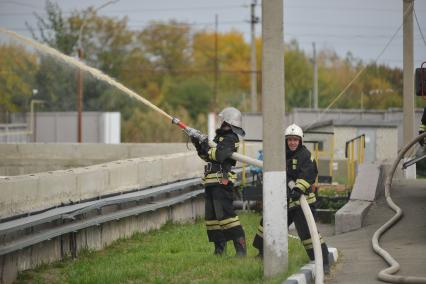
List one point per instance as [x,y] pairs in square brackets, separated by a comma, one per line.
[406,241]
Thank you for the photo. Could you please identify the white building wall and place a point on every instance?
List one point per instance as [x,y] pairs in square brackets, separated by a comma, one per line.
[61,127]
[386,143]
[341,135]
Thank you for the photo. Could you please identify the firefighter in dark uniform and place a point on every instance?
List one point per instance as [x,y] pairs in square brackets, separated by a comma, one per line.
[222,223]
[301,174]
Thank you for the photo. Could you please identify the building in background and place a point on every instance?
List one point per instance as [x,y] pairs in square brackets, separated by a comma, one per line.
[61,127]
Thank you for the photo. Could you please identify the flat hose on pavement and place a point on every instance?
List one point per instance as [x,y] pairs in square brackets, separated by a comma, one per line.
[386,274]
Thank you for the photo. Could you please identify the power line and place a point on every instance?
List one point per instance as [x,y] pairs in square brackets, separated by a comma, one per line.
[137,11]
[21,4]
[362,69]
[418,25]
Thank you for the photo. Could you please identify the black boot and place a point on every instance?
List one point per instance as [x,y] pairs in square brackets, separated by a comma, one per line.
[240,246]
[325,258]
[260,254]
[219,247]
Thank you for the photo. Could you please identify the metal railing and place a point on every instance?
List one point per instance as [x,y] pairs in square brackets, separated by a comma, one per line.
[354,156]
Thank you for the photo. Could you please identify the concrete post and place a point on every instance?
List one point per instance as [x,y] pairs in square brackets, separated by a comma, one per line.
[274,187]
[253,87]
[408,77]
[315,83]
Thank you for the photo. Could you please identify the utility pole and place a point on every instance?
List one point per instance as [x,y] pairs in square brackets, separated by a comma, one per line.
[315,85]
[216,62]
[408,78]
[211,118]
[253,88]
[275,232]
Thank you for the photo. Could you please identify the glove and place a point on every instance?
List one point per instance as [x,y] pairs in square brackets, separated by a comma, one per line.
[291,184]
[195,135]
[422,142]
[295,193]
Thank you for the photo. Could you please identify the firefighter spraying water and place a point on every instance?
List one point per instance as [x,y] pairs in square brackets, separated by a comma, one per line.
[222,223]
[199,139]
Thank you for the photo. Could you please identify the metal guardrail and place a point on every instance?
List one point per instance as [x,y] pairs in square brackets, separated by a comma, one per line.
[69,212]
[75,226]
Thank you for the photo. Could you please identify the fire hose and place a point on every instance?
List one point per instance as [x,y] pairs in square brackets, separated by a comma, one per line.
[189,131]
[319,270]
[386,274]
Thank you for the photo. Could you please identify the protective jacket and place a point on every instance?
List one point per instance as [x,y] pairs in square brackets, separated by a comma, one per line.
[222,223]
[423,125]
[302,169]
[219,163]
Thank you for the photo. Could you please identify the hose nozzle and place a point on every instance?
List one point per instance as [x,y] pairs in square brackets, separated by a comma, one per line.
[179,123]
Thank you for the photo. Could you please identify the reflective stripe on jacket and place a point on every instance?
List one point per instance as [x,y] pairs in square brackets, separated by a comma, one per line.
[219,167]
[302,169]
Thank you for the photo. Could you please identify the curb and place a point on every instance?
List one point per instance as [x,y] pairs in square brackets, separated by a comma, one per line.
[306,274]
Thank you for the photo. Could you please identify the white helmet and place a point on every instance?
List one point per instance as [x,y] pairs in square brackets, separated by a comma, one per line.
[294,130]
[231,116]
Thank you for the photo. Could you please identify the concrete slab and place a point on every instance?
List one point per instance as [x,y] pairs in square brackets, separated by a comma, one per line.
[350,217]
[366,182]
[122,176]
[91,182]
[16,195]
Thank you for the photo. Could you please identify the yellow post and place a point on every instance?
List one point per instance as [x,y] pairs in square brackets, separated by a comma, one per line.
[348,159]
[352,161]
[362,148]
[359,151]
[331,157]
[243,175]
[317,161]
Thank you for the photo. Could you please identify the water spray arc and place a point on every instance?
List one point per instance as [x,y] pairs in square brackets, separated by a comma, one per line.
[103,77]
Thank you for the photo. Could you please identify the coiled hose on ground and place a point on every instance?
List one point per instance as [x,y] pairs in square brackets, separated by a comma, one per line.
[386,274]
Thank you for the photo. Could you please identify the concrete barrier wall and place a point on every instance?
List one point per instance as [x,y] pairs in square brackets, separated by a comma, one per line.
[369,186]
[22,159]
[27,193]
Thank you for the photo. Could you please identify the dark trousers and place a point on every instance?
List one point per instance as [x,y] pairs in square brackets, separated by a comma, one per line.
[296,215]
[221,221]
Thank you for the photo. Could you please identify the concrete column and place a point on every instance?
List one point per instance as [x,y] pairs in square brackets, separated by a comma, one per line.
[274,186]
[408,77]
[315,84]
[253,85]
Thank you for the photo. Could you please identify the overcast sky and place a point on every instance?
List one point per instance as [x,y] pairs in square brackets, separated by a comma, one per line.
[362,27]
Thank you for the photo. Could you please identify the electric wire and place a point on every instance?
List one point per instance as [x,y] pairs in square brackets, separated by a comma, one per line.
[418,25]
[321,114]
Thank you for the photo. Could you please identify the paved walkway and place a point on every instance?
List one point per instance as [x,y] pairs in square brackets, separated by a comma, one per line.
[406,241]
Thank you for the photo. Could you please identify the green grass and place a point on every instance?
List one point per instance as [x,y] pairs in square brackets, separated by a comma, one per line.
[174,254]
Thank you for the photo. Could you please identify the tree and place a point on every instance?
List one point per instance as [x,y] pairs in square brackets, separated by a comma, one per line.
[55,31]
[167,46]
[193,94]
[298,77]
[17,70]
